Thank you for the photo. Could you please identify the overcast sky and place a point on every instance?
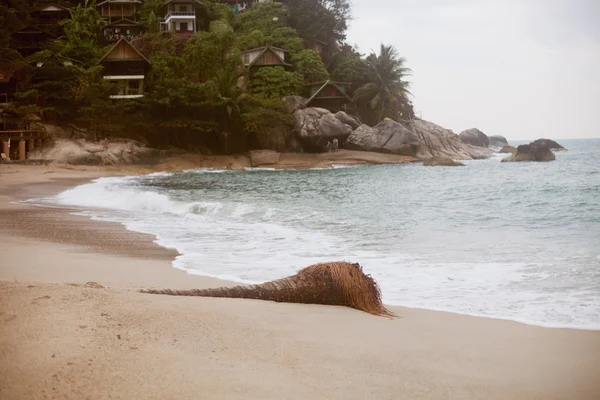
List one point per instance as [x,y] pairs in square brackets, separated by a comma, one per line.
[520,68]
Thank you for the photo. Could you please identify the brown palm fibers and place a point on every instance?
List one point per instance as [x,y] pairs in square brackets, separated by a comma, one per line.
[334,283]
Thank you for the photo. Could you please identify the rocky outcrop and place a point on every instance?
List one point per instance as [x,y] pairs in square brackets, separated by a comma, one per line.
[474,137]
[317,126]
[264,157]
[279,137]
[435,141]
[348,120]
[508,150]
[81,152]
[386,137]
[295,103]
[498,141]
[547,143]
[441,161]
[532,152]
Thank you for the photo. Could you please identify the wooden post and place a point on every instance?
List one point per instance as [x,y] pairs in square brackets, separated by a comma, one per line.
[5,148]
[21,150]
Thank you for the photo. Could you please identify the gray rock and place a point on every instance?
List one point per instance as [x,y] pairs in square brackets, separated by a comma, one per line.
[498,141]
[435,141]
[441,161]
[347,119]
[508,150]
[474,137]
[317,126]
[295,103]
[550,144]
[264,157]
[386,137]
[534,151]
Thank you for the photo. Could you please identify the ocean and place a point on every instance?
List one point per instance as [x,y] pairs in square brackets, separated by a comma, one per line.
[517,241]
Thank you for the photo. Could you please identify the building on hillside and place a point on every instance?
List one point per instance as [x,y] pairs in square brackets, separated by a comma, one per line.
[8,84]
[116,10]
[126,68]
[17,135]
[49,16]
[51,68]
[180,16]
[320,47]
[267,56]
[31,39]
[122,29]
[329,95]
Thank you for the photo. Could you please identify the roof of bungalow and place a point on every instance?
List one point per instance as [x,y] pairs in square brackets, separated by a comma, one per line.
[322,85]
[53,7]
[113,50]
[34,29]
[118,1]
[263,50]
[184,2]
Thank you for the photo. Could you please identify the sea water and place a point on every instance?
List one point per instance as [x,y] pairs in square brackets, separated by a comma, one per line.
[518,241]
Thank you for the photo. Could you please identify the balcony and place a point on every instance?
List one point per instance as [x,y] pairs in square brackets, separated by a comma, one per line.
[118,13]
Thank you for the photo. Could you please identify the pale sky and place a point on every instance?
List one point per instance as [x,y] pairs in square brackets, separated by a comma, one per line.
[523,69]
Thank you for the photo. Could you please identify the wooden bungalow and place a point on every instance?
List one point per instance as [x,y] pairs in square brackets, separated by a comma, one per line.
[180,16]
[17,135]
[329,95]
[320,47]
[125,67]
[122,29]
[49,16]
[31,39]
[116,10]
[267,56]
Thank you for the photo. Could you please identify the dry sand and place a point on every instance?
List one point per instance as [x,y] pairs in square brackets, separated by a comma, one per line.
[63,339]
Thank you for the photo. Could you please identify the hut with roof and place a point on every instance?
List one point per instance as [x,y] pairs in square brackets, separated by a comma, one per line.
[267,56]
[330,95]
[126,68]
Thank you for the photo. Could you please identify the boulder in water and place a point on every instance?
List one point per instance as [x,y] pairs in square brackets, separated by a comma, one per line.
[498,141]
[436,141]
[550,144]
[441,162]
[534,151]
[474,137]
[508,150]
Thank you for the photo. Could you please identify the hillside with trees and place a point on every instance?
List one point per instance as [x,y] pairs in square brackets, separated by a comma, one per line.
[200,90]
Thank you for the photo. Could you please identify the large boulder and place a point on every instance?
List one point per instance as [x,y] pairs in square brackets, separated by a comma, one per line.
[436,141]
[441,161]
[348,120]
[498,141]
[295,103]
[264,157]
[547,143]
[508,150]
[386,137]
[317,126]
[534,151]
[474,137]
[279,137]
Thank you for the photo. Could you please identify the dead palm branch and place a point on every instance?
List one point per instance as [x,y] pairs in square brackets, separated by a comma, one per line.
[335,283]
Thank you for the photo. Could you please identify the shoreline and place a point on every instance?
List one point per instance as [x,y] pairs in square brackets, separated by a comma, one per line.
[54,254]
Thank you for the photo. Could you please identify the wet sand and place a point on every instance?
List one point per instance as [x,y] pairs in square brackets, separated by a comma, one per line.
[62,336]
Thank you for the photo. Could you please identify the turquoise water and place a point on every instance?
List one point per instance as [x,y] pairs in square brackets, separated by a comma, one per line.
[519,241]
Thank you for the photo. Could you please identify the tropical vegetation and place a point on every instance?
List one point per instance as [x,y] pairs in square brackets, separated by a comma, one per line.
[199,94]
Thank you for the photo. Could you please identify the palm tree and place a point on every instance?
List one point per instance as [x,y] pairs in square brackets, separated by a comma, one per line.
[385,89]
[336,283]
[85,22]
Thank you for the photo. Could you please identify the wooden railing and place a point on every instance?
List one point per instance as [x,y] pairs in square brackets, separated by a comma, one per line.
[20,134]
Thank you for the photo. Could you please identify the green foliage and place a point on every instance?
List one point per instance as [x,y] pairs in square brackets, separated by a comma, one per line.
[149,10]
[12,18]
[265,24]
[321,19]
[385,89]
[276,83]
[85,23]
[310,66]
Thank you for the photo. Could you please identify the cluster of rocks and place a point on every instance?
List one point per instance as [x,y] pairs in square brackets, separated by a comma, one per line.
[538,150]
[423,140]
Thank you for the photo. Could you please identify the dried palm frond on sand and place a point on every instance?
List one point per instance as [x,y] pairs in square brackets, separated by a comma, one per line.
[335,283]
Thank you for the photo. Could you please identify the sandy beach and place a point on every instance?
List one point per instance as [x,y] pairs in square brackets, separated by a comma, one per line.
[73,326]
